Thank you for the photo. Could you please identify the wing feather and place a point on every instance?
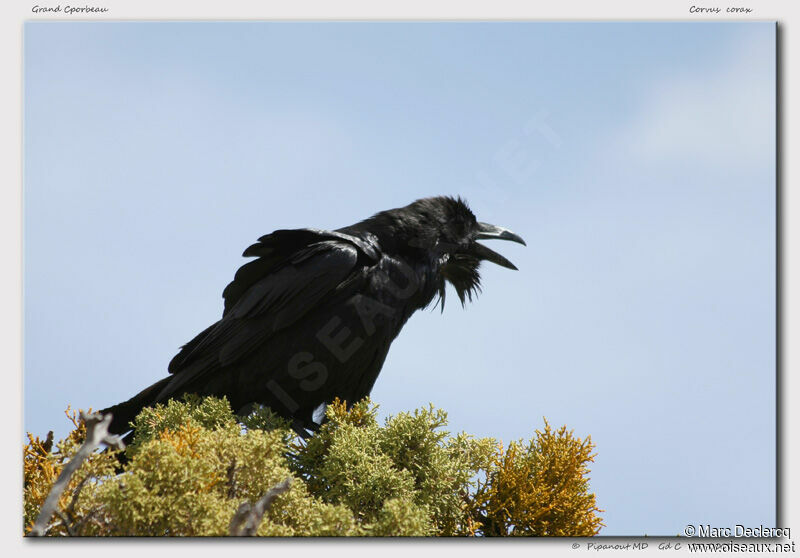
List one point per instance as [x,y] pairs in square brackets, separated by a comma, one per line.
[287,291]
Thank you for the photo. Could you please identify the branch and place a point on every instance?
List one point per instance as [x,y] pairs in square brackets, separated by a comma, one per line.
[248,517]
[96,434]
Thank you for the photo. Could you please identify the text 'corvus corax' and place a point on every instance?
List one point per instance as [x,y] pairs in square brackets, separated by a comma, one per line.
[313,316]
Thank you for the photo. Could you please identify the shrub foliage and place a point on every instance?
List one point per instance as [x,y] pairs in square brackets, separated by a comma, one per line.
[193,462]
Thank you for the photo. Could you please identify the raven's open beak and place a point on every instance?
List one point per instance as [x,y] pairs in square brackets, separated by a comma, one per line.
[486,231]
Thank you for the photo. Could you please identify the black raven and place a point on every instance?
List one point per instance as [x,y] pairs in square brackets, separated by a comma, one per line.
[312,318]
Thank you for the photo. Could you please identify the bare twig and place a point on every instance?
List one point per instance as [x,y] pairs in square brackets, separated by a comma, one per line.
[75,494]
[96,434]
[85,519]
[232,484]
[47,445]
[65,522]
[248,517]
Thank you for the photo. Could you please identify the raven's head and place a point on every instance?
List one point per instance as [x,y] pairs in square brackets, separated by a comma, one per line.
[447,229]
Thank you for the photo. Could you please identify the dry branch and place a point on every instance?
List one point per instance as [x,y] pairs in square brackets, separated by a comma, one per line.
[96,434]
[248,517]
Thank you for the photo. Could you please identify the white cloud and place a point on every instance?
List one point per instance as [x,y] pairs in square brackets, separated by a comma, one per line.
[725,117]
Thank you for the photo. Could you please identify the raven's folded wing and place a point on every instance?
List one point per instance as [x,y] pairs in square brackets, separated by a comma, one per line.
[290,286]
[275,249]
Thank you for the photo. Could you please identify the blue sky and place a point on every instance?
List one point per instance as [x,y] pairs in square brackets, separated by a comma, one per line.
[636,159]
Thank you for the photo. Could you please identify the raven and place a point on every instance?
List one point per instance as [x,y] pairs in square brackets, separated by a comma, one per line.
[312,318]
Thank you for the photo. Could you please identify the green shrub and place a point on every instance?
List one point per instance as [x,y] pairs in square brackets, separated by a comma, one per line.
[192,463]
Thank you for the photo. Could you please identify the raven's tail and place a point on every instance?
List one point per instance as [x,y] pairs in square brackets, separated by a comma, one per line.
[124,413]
